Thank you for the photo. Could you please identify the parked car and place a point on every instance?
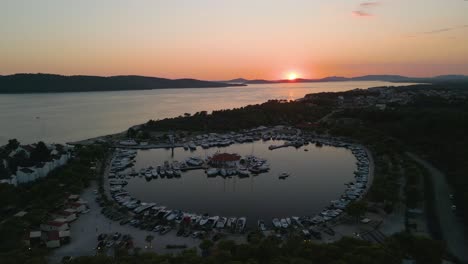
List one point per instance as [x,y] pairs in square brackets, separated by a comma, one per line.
[102,236]
[117,235]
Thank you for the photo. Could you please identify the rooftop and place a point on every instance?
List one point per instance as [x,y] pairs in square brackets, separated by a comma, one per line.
[223,157]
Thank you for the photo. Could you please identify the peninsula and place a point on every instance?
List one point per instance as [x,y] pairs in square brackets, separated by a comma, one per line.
[52,83]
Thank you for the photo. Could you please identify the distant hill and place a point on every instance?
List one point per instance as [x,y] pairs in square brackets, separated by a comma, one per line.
[386,78]
[50,83]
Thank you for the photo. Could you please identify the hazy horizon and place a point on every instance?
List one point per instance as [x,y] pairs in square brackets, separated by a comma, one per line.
[214,40]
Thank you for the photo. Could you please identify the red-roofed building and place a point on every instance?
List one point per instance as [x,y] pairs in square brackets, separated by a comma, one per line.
[224,160]
[79,206]
[68,215]
[54,226]
[53,239]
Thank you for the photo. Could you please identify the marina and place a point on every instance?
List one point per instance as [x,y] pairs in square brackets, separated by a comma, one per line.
[213,185]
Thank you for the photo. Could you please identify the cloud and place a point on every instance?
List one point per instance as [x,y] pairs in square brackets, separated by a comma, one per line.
[370,4]
[363,9]
[360,13]
[441,30]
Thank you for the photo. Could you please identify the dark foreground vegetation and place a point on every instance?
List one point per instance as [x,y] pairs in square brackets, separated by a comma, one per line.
[274,112]
[294,250]
[38,199]
[50,83]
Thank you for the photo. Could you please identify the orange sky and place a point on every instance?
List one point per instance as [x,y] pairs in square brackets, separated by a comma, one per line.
[219,40]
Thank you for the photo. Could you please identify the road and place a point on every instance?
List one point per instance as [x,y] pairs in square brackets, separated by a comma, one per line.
[453,231]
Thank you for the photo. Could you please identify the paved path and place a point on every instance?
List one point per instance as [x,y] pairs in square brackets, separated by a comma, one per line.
[451,226]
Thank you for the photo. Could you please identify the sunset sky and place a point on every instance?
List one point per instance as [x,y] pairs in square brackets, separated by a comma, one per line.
[217,39]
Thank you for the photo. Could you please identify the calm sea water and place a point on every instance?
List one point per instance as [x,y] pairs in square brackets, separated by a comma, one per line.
[317,177]
[62,117]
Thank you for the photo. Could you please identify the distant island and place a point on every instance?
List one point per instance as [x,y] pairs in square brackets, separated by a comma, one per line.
[384,78]
[51,83]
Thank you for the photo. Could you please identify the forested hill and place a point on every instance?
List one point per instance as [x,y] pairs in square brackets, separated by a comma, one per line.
[49,83]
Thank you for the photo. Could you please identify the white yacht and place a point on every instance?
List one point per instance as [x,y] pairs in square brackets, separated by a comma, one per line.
[221,222]
[240,225]
[276,223]
[212,172]
[284,223]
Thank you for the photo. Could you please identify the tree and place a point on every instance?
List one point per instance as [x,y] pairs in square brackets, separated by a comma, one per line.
[356,209]
[3,171]
[41,153]
[131,133]
[12,144]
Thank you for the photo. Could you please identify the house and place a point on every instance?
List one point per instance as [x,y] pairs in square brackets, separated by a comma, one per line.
[54,226]
[64,236]
[53,239]
[26,174]
[59,158]
[42,169]
[34,238]
[69,216]
[79,206]
[27,149]
[224,160]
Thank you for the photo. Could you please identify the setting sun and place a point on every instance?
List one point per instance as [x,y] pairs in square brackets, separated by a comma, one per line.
[292,76]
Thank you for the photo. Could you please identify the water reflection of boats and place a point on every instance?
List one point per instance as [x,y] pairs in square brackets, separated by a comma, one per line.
[243,172]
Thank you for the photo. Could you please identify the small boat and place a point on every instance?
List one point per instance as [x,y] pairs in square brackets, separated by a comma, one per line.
[288,220]
[284,223]
[177,173]
[264,168]
[212,172]
[243,173]
[240,225]
[169,173]
[186,146]
[148,175]
[204,220]
[154,173]
[211,223]
[223,172]
[276,223]
[283,176]
[173,215]
[162,173]
[133,172]
[221,222]
[231,223]
[261,225]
